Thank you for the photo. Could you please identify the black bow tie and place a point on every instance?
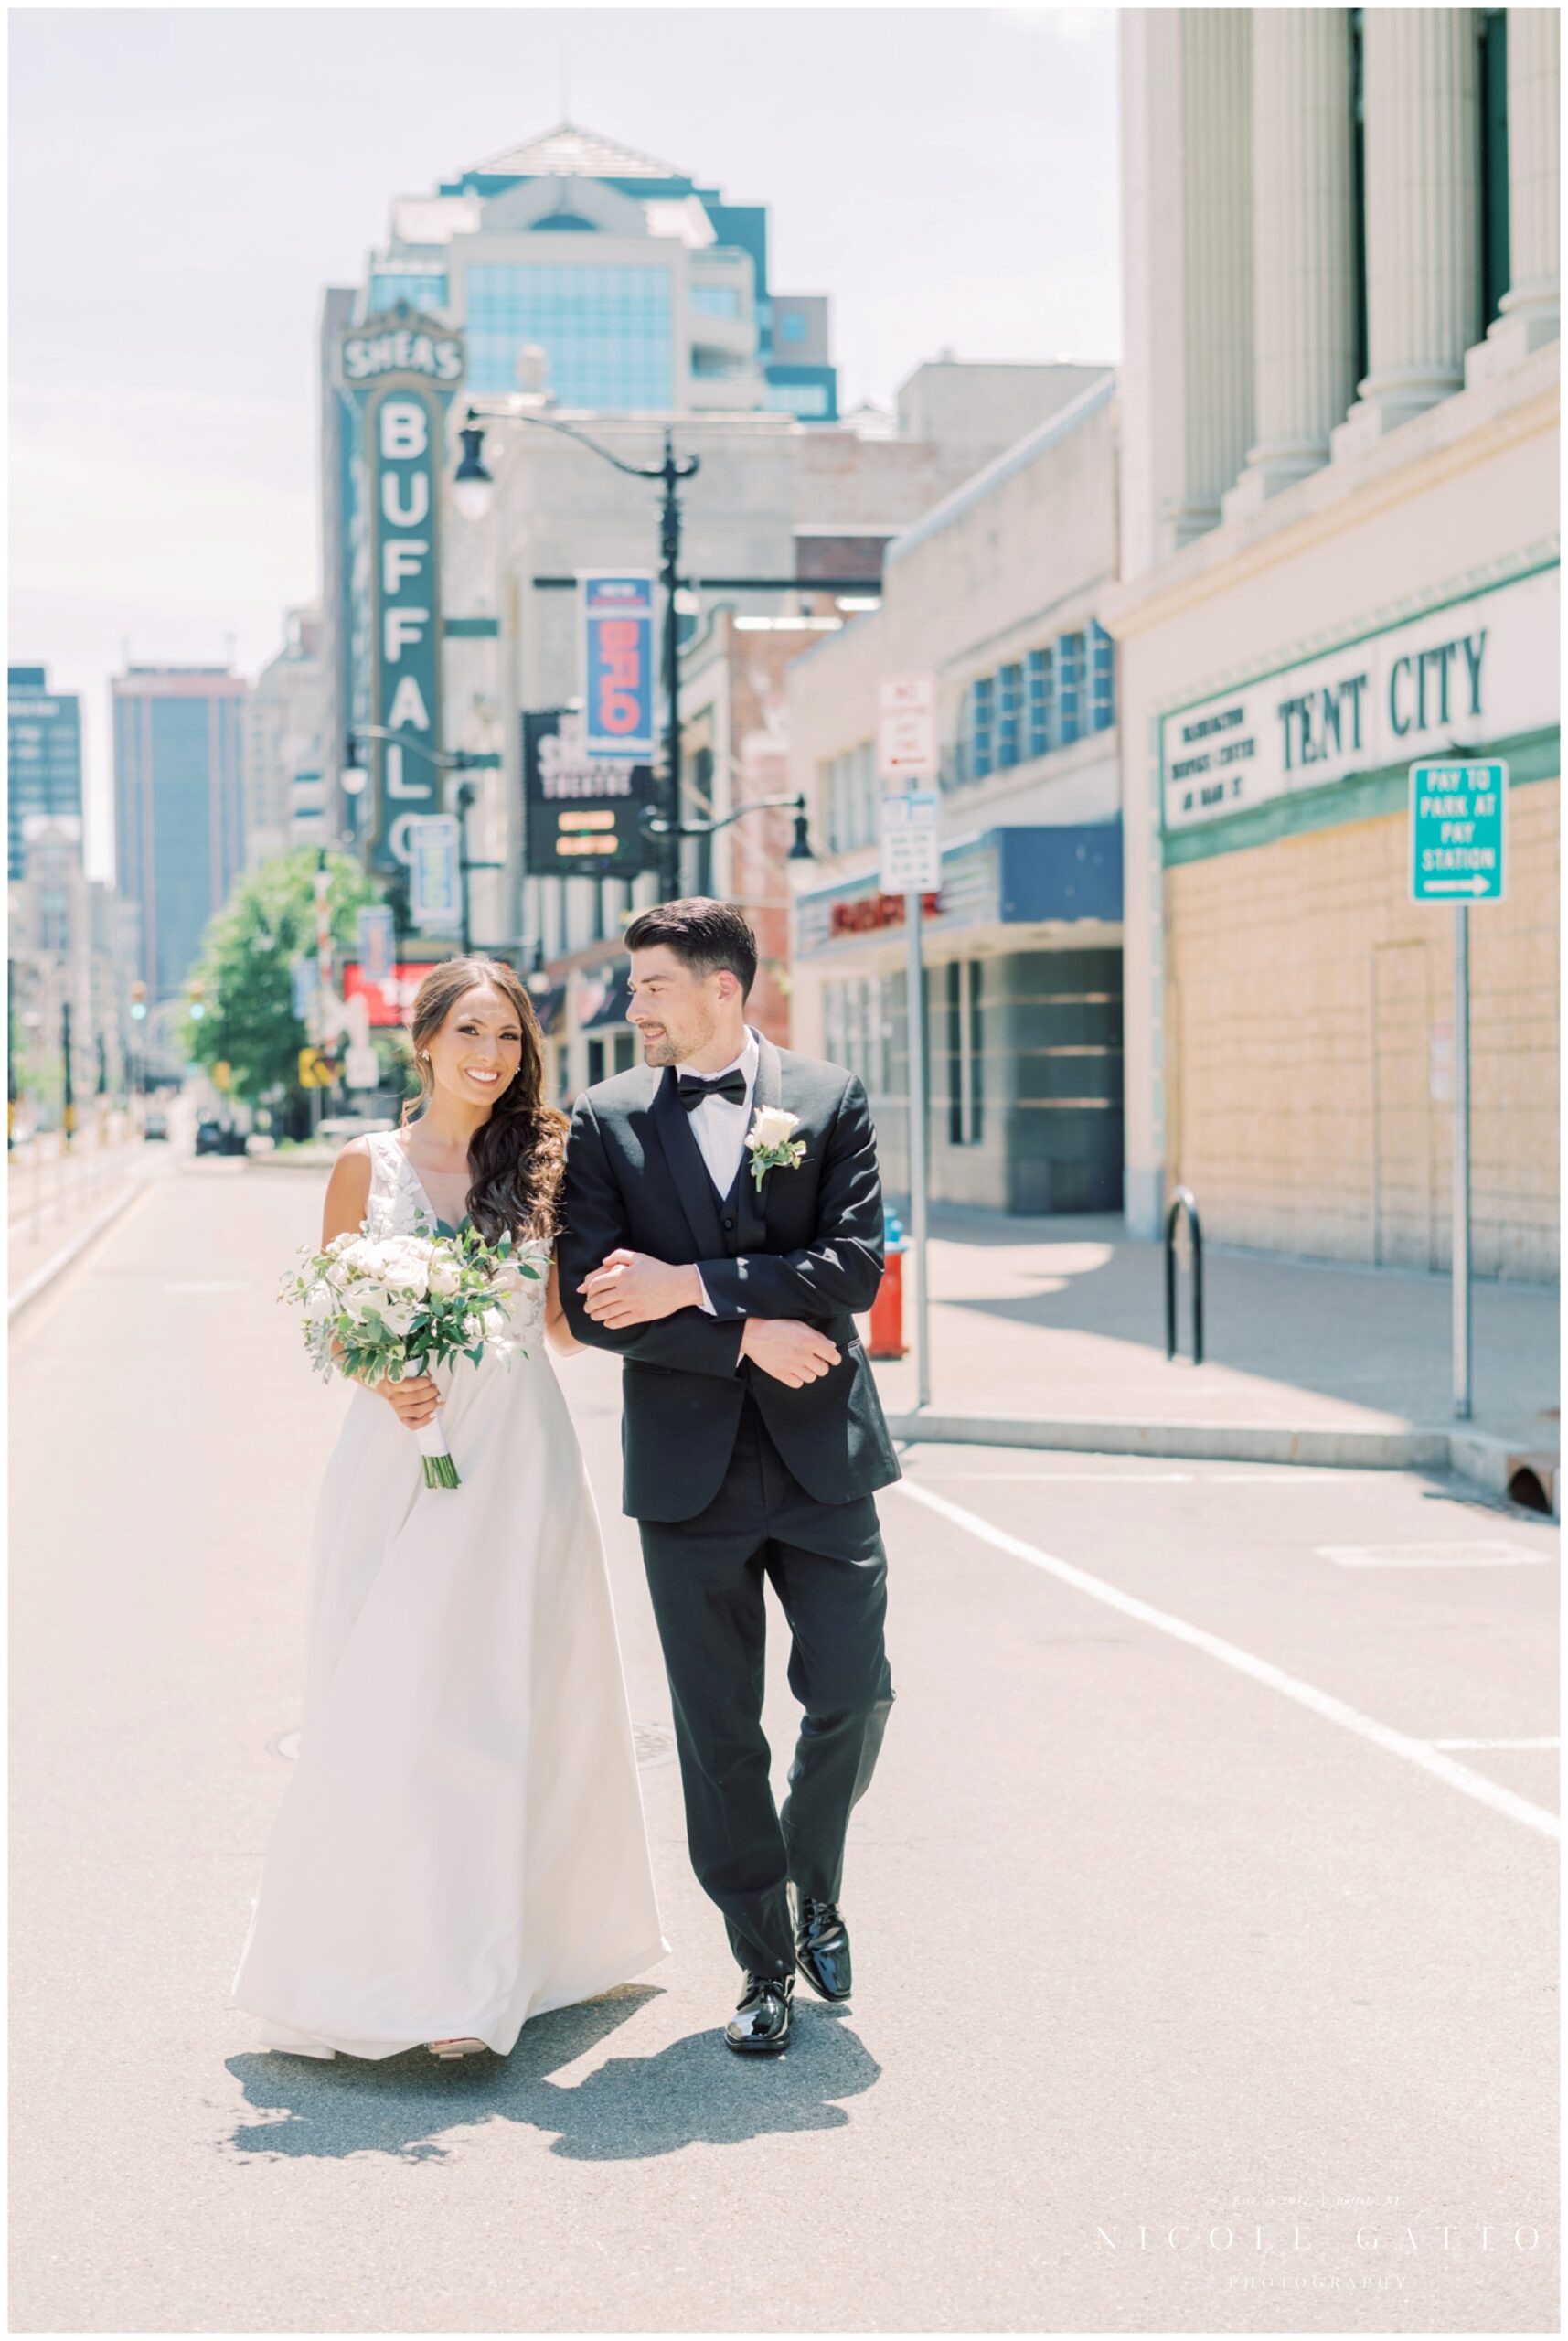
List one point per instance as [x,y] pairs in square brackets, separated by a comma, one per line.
[692,1089]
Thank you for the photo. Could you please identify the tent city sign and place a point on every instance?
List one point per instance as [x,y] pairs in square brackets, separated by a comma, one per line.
[1472,672]
[399,370]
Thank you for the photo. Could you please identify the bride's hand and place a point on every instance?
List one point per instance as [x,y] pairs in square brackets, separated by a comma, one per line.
[414,1400]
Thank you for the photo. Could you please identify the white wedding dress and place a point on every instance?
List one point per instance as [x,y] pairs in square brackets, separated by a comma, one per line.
[461,1843]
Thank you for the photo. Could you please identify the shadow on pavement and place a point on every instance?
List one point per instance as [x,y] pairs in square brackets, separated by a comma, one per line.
[693,2091]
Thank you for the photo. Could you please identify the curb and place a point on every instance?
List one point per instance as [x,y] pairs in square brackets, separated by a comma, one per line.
[1487,1463]
[41,1278]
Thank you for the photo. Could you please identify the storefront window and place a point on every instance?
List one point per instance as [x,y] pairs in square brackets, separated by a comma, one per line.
[966,1057]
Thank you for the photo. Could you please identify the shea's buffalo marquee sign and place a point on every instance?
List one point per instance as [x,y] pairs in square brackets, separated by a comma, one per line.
[400,370]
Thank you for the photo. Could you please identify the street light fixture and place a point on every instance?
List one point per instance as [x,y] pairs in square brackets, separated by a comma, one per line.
[472,484]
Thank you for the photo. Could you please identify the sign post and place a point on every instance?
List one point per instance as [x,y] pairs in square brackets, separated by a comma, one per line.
[1459,817]
[911,866]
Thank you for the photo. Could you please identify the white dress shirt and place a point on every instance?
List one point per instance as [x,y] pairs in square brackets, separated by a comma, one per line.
[719,1128]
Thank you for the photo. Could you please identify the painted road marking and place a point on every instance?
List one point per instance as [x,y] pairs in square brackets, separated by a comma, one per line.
[1481,1553]
[1300,1474]
[1419,1752]
[1497,1743]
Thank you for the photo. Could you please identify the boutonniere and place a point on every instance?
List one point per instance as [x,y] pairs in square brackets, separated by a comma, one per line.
[772,1146]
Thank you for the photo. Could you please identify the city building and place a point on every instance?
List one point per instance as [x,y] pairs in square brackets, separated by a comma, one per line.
[783,522]
[637,290]
[1339,556]
[180,828]
[43,757]
[70,947]
[285,745]
[994,594]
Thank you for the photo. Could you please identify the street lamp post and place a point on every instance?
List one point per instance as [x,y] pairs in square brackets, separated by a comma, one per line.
[472,485]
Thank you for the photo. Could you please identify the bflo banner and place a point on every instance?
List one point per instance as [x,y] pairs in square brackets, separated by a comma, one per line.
[583,813]
[402,379]
[618,662]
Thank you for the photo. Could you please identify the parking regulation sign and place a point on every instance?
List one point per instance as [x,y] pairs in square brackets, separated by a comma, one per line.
[1458,819]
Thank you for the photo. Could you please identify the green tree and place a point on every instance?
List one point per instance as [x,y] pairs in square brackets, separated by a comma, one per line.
[248,1018]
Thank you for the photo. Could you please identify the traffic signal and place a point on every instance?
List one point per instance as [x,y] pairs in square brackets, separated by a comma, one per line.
[197,1006]
[138,1000]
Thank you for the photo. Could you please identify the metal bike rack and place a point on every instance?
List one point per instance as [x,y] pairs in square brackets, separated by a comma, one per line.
[1183,1200]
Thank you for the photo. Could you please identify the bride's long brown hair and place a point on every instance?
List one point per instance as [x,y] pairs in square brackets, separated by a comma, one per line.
[514,1157]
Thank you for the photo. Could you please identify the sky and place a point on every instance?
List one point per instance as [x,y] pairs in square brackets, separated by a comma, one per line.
[185,182]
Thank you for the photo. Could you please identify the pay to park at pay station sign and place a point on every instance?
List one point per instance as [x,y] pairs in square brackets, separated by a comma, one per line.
[1458,816]
[583,813]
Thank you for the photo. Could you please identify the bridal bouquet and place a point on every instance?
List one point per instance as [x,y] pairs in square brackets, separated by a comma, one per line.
[401,1305]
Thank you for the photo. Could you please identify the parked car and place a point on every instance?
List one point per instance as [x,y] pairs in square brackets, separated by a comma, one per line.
[208,1137]
[155,1126]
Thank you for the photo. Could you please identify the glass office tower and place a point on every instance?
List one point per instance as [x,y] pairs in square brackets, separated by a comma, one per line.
[44,756]
[178,807]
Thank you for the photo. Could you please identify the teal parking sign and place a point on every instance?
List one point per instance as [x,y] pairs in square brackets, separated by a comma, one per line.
[1457,818]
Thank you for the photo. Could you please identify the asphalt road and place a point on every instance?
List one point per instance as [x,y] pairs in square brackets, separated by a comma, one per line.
[1200,1987]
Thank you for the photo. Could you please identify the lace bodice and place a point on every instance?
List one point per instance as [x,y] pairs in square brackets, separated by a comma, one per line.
[398,1206]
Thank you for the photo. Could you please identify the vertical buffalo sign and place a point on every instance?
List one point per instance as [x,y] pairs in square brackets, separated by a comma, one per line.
[618,663]
[401,371]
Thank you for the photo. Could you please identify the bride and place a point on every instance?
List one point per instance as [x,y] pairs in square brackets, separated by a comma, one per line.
[461,1844]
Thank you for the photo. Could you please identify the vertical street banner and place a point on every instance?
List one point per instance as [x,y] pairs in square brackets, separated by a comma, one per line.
[617,615]
[435,882]
[582,812]
[401,369]
[376,942]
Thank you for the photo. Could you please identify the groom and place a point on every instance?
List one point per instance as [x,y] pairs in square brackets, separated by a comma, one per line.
[752,1433]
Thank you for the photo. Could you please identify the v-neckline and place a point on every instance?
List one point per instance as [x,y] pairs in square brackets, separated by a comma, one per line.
[424,1191]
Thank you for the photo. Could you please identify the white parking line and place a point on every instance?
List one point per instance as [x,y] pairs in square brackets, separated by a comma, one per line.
[1483,1553]
[1422,1753]
[1497,1743]
[1303,1474]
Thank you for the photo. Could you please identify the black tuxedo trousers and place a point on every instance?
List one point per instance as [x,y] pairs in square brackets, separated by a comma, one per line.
[827,1565]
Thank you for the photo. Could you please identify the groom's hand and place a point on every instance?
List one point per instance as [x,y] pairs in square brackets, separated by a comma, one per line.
[634,1289]
[792,1353]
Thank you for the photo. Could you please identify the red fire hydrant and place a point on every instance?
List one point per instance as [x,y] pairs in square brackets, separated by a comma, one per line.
[887,1309]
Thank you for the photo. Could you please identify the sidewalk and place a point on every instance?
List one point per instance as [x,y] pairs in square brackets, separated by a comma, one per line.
[1061,1322]
[55,1199]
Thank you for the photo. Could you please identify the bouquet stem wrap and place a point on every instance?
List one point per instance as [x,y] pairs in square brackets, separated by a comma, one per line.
[440,1471]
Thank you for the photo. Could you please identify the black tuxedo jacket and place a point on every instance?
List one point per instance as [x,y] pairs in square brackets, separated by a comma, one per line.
[808,1246]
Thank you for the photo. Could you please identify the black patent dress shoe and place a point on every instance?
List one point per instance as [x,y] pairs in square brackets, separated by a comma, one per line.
[760,2025]
[822,1948]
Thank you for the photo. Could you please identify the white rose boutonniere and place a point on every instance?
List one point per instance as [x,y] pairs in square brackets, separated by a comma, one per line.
[772,1146]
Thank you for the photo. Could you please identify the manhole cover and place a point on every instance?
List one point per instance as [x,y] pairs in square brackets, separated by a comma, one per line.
[654,1744]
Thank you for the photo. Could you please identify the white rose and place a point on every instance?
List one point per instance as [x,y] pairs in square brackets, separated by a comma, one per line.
[406,1272]
[367,1297]
[320,1303]
[772,1128]
[399,1316]
[445,1275]
[493,1322]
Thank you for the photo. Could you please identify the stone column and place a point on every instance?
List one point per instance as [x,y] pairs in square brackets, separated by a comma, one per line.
[1304,251]
[1530,306]
[1214,98]
[1423,215]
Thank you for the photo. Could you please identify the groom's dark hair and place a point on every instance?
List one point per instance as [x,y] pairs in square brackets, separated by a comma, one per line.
[704,934]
